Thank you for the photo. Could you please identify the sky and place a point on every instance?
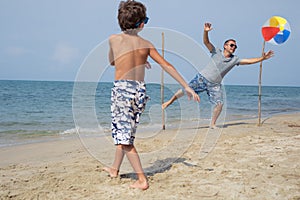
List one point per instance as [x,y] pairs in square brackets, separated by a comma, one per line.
[49,40]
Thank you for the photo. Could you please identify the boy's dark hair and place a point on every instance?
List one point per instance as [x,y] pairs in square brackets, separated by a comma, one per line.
[130,13]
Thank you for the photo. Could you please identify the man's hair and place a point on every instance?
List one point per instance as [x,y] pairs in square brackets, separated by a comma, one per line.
[229,41]
[130,13]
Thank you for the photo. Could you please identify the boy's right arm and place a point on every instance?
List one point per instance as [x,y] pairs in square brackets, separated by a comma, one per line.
[111,57]
[173,72]
[110,53]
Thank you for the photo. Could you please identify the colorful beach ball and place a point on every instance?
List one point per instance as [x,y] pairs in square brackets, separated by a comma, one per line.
[276,30]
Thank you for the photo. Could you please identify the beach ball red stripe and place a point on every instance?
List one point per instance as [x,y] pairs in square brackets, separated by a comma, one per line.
[269,32]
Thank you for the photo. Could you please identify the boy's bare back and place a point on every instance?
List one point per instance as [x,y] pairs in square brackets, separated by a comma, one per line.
[129,53]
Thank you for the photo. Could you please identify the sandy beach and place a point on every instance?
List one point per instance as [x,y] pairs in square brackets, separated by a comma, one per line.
[238,161]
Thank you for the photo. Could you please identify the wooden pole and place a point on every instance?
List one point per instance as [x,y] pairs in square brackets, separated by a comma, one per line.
[259,87]
[162,82]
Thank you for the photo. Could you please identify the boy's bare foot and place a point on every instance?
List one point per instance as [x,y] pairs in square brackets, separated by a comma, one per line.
[113,173]
[165,105]
[143,185]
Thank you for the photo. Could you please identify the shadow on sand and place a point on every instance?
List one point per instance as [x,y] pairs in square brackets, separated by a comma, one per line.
[159,166]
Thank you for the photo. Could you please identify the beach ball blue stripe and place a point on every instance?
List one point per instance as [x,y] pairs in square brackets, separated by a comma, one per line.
[281,38]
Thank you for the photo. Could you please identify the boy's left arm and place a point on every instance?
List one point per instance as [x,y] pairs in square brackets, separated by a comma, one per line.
[170,69]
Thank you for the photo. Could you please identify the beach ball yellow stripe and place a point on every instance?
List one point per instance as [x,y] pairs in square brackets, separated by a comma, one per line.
[278,22]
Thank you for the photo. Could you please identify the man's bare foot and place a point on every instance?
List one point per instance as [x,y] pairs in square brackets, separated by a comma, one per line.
[143,185]
[213,127]
[165,105]
[113,173]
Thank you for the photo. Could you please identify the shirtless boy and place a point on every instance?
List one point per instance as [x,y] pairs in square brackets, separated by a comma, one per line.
[128,53]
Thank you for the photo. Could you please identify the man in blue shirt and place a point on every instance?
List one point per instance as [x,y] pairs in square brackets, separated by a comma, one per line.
[210,78]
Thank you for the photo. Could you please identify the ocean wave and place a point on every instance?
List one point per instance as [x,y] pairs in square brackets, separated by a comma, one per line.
[68,131]
[84,131]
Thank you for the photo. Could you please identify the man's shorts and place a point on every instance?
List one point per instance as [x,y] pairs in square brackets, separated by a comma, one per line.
[214,90]
[128,101]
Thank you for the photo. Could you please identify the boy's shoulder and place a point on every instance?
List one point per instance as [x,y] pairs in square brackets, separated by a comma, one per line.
[114,37]
[119,37]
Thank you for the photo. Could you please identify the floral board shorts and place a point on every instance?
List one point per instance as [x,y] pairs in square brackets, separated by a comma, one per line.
[128,101]
[214,90]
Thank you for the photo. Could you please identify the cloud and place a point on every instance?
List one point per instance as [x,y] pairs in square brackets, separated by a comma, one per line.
[64,54]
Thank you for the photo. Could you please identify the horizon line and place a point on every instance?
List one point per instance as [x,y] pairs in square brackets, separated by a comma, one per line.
[73,81]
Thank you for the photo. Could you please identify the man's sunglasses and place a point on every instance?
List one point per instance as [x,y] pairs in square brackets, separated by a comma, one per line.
[233,45]
[145,21]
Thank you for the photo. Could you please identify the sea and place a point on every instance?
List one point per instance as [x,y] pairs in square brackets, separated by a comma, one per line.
[37,111]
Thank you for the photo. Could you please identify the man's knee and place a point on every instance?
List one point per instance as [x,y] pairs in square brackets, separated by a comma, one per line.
[219,105]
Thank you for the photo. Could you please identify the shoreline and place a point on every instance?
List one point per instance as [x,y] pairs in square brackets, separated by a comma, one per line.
[60,135]
[245,162]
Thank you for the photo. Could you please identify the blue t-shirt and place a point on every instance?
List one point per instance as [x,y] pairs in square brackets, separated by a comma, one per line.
[219,66]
